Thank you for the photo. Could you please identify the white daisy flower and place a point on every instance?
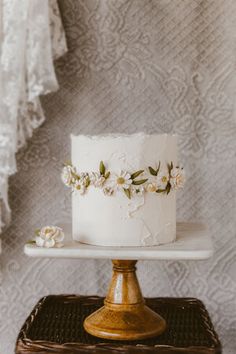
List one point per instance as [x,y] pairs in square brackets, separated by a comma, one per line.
[50,236]
[177,178]
[162,179]
[68,175]
[121,181]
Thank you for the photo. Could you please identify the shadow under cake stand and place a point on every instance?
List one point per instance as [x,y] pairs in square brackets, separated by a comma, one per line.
[124,315]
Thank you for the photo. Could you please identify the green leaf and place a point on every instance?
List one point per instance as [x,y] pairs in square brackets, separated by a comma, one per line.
[136,174]
[141,181]
[127,193]
[152,171]
[102,168]
[31,242]
[170,166]
[87,183]
[37,232]
[75,175]
[160,190]
[168,188]
[107,174]
[158,168]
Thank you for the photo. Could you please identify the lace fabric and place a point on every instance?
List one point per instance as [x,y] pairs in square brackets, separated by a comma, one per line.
[31,37]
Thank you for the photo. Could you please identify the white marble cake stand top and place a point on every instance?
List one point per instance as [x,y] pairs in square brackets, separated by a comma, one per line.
[193,243]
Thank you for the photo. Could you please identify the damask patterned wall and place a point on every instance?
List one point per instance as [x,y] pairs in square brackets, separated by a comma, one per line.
[134,65]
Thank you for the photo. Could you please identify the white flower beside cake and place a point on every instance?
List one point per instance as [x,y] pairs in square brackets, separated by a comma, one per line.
[49,236]
[124,189]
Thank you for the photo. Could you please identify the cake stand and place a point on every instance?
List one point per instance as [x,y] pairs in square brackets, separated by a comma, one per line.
[124,315]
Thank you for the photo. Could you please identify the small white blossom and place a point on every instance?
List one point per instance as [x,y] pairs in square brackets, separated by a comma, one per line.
[108,191]
[137,190]
[84,179]
[177,178]
[121,181]
[97,180]
[50,236]
[68,175]
[151,187]
[79,186]
[162,179]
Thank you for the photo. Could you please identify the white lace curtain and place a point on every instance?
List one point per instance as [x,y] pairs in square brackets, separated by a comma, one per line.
[31,36]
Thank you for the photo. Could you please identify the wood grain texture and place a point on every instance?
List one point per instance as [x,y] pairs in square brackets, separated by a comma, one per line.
[124,315]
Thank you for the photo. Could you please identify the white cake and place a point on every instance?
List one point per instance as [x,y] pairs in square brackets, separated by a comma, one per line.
[105,214]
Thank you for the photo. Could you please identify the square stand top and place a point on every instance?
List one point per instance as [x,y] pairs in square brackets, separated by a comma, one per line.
[56,326]
[193,242]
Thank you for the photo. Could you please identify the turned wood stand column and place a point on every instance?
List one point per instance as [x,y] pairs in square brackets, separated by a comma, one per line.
[124,315]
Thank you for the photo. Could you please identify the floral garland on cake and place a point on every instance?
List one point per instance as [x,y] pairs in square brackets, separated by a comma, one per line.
[154,180]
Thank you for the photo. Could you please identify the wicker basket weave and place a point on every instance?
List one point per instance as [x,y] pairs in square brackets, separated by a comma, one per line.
[56,326]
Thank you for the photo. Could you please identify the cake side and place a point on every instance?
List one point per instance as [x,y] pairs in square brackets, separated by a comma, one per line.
[115,220]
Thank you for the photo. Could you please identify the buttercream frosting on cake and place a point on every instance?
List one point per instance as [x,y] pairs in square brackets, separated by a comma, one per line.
[109,216]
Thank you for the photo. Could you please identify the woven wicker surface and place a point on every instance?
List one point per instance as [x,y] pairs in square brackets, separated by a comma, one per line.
[56,326]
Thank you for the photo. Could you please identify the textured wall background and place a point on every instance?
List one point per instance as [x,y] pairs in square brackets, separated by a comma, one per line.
[134,65]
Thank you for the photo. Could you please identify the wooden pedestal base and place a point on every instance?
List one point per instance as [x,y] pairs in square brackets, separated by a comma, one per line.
[124,315]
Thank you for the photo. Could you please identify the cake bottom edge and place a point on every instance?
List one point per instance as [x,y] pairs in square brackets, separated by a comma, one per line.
[116,244]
